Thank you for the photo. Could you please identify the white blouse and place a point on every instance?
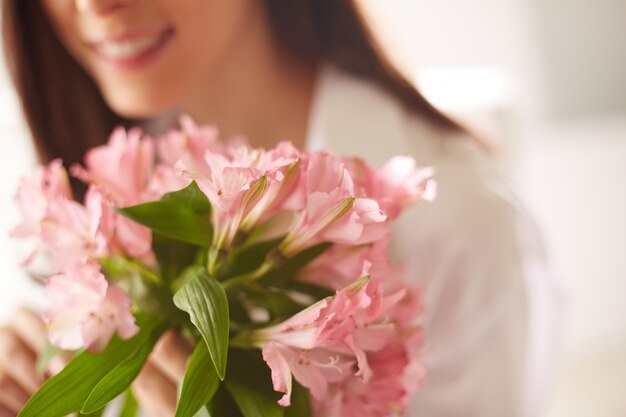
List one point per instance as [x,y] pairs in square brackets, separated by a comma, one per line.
[490,297]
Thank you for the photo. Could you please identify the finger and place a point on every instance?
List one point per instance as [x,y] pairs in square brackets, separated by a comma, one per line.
[12,396]
[18,361]
[30,328]
[5,412]
[170,355]
[155,392]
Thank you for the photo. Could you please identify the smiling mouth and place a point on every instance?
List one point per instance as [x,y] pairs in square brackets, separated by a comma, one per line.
[131,51]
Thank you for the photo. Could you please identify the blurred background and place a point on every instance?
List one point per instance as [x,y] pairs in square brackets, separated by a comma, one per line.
[545,80]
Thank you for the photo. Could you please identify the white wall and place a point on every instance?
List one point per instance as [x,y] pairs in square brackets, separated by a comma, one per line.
[583,54]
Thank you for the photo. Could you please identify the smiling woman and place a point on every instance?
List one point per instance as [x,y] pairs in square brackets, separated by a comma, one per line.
[311,72]
[147,57]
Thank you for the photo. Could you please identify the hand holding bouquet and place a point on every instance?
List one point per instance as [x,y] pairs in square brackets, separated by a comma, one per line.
[274,263]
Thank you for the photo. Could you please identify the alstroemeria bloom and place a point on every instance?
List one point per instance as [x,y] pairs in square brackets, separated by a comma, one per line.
[122,168]
[33,195]
[85,310]
[71,230]
[284,192]
[189,145]
[396,372]
[332,212]
[397,185]
[340,265]
[236,184]
[326,342]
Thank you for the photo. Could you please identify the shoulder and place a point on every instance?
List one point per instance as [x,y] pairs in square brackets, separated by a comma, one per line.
[475,205]
[355,117]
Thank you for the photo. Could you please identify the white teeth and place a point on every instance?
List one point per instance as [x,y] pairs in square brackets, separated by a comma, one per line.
[129,48]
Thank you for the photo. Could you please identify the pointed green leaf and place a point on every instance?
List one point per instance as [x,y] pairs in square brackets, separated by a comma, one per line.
[172,219]
[192,197]
[205,300]
[66,392]
[97,413]
[200,382]
[121,376]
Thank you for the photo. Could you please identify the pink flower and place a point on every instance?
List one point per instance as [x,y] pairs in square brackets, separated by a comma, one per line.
[71,230]
[122,168]
[124,235]
[349,350]
[233,192]
[50,183]
[337,267]
[396,186]
[244,186]
[165,180]
[340,265]
[189,145]
[327,342]
[395,374]
[86,311]
[332,213]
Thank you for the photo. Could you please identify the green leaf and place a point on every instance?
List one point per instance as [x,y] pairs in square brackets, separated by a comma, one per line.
[205,300]
[283,274]
[173,256]
[192,197]
[247,258]
[67,391]
[130,406]
[200,382]
[97,413]
[300,402]
[249,382]
[172,219]
[121,376]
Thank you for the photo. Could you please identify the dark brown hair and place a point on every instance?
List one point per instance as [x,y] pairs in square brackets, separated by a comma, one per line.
[67,114]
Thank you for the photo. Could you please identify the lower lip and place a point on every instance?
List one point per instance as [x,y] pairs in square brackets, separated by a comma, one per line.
[141,60]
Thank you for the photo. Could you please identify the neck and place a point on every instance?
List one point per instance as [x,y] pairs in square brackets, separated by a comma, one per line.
[257,91]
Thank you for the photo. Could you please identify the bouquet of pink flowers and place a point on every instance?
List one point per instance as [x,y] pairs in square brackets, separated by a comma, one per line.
[274,263]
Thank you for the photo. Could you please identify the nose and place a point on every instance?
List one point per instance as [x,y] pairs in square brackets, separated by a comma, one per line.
[101,7]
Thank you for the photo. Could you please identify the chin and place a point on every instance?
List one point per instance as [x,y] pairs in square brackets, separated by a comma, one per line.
[138,105]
